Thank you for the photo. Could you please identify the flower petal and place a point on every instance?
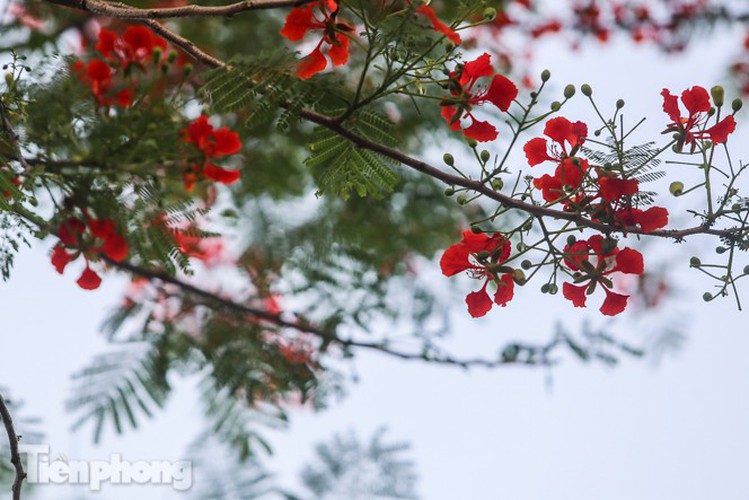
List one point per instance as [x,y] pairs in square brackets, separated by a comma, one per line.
[629,261]
[455,259]
[536,151]
[505,290]
[479,303]
[481,131]
[614,303]
[89,280]
[613,188]
[719,132]
[575,293]
[311,64]
[501,92]
[438,25]
[696,100]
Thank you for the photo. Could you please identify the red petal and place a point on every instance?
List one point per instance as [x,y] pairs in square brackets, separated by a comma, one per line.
[220,174]
[575,254]
[105,43]
[115,247]
[613,189]
[60,258]
[671,106]
[99,71]
[629,261]
[70,231]
[501,92]
[455,259]
[439,25]
[479,303]
[101,228]
[339,51]
[551,187]
[719,132]
[505,290]
[226,142]
[651,219]
[311,65]
[575,293]
[199,131]
[140,39]
[559,129]
[481,66]
[536,151]
[89,280]
[614,303]
[571,174]
[448,112]
[124,98]
[298,22]
[579,133]
[696,100]
[481,131]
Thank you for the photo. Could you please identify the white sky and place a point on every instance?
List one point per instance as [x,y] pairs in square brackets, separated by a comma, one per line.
[676,431]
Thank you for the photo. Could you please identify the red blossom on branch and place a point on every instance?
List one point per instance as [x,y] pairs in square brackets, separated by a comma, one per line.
[302,20]
[438,25]
[697,102]
[212,143]
[500,92]
[482,257]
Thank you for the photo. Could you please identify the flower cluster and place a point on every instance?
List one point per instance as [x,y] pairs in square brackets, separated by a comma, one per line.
[134,49]
[599,192]
[302,20]
[482,257]
[593,261]
[692,127]
[210,144]
[465,94]
[89,238]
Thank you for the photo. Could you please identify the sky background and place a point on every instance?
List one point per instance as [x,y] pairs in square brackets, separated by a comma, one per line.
[678,429]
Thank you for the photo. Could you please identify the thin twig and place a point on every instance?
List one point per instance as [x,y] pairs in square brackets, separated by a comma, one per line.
[15,456]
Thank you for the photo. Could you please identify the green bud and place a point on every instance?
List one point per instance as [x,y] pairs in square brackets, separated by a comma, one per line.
[520,246]
[9,79]
[485,155]
[490,13]
[720,250]
[188,69]
[556,106]
[711,111]
[746,269]
[483,255]
[526,264]
[619,103]
[462,200]
[471,142]
[449,191]
[497,184]
[533,95]
[448,159]
[553,289]
[586,90]
[676,188]
[518,276]
[737,104]
[571,240]
[476,229]
[695,262]
[156,53]
[718,95]
[172,56]
[545,288]
[569,91]
[545,75]
[707,297]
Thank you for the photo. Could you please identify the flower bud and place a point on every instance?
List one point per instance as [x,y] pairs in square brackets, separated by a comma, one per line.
[448,159]
[526,264]
[737,104]
[156,53]
[720,250]
[571,240]
[497,184]
[172,56]
[545,75]
[718,95]
[586,90]
[619,103]
[553,289]
[9,79]
[462,200]
[545,288]
[746,269]
[485,155]
[476,229]
[490,13]
[471,142]
[569,91]
[707,297]
[188,69]
[695,262]
[483,255]
[518,276]
[449,191]
[556,106]
[676,188]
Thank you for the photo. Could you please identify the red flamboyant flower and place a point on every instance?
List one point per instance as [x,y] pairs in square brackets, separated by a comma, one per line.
[592,263]
[691,128]
[302,20]
[135,47]
[212,143]
[501,92]
[88,238]
[438,25]
[482,256]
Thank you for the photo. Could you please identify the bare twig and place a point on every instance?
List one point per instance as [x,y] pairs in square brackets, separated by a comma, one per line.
[15,456]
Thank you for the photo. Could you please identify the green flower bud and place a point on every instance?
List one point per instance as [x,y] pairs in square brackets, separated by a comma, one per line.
[471,142]
[619,103]
[526,264]
[569,91]
[545,288]
[695,262]
[707,297]
[490,13]
[9,79]
[533,95]
[449,191]
[746,269]
[518,276]
[720,250]
[556,106]
[156,53]
[497,184]
[172,56]
[483,255]
[571,240]
[553,289]
[188,69]
[737,104]
[476,229]
[462,200]
[545,75]
[586,90]
[448,159]
[485,155]
[676,188]
[718,95]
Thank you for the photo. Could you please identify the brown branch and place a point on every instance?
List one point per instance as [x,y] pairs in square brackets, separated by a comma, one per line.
[15,456]
[324,335]
[124,11]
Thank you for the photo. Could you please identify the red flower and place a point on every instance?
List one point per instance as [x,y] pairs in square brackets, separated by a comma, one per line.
[569,173]
[593,264]
[481,256]
[212,144]
[88,238]
[501,92]
[564,133]
[302,20]
[439,25]
[697,102]
[134,47]
[649,220]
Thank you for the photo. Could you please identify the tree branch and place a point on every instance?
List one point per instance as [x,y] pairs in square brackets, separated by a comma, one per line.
[15,456]
[124,11]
